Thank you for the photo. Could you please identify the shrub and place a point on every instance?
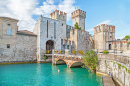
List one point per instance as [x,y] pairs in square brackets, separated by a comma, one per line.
[45,57]
[73,52]
[60,52]
[90,60]
[81,52]
[105,52]
[56,51]
[128,42]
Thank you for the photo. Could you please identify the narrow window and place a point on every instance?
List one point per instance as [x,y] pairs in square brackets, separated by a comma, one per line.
[47,28]
[8,32]
[9,24]
[8,45]
[54,30]
[67,46]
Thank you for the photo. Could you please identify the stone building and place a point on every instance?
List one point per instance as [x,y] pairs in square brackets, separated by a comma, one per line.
[103,36]
[54,33]
[16,45]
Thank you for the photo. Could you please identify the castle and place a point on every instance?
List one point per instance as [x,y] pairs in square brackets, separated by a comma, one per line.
[54,33]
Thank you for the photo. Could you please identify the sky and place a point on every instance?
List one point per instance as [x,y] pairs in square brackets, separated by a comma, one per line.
[112,12]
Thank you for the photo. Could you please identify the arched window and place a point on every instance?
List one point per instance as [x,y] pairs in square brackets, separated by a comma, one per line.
[54,30]
[47,28]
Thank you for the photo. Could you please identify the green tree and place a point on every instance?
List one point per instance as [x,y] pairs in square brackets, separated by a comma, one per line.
[77,26]
[127,37]
[90,59]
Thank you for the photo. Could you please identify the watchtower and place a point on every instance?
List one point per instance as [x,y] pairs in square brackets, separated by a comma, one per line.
[62,16]
[103,36]
[79,17]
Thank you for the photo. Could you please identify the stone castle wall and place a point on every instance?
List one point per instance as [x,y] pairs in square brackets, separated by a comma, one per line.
[121,45]
[115,64]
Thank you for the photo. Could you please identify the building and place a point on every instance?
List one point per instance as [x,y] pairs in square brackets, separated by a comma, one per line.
[54,33]
[16,45]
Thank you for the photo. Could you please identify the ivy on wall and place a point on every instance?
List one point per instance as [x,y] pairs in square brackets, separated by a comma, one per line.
[119,66]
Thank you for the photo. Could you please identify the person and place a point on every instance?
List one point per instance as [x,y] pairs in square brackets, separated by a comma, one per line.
[58,70]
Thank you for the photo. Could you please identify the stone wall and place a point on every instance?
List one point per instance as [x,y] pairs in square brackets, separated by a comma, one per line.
[21,47]
[81,40]
[116,65]
[45,32]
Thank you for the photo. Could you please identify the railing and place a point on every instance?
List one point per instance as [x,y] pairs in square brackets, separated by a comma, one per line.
[115,51]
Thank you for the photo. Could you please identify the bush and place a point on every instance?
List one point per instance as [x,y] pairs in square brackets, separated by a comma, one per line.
[81,52]
[105,52]
[73,52]
[45,57]
[90,60]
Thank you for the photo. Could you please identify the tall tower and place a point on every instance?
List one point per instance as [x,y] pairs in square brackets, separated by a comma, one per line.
[62,16]
[79,17]
[103,36]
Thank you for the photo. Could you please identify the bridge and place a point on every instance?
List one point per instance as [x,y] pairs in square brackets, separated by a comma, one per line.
[69,60]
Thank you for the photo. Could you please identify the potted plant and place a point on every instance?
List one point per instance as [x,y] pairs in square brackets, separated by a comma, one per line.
[60,52]
[81,52]
[105,52]
[73,52]
[56,51]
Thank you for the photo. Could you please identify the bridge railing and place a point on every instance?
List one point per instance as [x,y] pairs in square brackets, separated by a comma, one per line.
[66,54]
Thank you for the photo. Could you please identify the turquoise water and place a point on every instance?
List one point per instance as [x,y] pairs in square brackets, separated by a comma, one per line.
[46,75]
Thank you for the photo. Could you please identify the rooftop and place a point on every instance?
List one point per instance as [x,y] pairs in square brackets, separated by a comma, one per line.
[25,32]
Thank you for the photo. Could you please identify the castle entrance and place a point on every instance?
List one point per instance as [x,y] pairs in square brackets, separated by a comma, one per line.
[50,46]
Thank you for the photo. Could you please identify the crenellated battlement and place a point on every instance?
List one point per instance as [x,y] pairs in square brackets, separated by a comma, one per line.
[104,28]
[59,15]
[78,13]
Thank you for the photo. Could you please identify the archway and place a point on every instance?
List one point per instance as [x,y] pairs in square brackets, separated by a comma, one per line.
[109,46]
[60,62]
[50,45]
[77,64]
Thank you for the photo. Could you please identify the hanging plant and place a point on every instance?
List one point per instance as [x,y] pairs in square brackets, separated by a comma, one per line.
[105,52]
[45,57]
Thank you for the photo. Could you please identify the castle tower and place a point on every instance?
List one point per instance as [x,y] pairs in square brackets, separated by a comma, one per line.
[103,36]
[79,17]
[62,16]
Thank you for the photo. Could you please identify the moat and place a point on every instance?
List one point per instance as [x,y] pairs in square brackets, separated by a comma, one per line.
[46,75]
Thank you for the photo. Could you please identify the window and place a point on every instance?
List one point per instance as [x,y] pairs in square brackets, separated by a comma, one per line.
[54,30]
[67,46]
[62,24]
[9,24]
[8,32]
[8,45]
[47,28]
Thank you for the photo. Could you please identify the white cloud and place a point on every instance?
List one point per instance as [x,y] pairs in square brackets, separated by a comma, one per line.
[23,10]
[104,22]
[47,8]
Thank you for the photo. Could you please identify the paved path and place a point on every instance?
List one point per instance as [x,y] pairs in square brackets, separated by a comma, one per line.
[107,81]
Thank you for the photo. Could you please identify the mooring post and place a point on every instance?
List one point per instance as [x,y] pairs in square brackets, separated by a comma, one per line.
[53,60]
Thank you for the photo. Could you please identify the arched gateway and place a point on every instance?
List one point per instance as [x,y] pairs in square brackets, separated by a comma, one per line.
[50,44]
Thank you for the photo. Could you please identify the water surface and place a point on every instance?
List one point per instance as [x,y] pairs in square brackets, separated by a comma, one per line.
[46,75]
